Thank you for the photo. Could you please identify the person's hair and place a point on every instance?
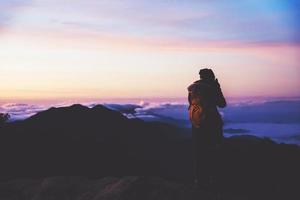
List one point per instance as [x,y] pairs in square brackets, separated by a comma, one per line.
[207,74]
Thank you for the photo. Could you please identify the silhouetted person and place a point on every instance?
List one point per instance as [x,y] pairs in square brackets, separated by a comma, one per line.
[205,95]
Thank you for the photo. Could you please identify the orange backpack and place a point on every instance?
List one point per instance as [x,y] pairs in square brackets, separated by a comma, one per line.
[196,112]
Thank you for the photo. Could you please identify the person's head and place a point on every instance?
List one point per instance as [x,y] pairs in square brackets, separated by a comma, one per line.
[206,74]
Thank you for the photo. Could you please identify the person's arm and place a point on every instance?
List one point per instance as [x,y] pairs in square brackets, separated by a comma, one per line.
[190,95]
[190,98]
[221,101]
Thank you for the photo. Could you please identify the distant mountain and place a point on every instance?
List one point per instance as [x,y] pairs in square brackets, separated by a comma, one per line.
[100,142]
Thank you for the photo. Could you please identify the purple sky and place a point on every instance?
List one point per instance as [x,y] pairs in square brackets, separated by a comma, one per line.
[81,49]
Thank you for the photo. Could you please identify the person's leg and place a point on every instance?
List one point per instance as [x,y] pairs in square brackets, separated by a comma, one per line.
[195,139]
[204,156]
[215,148]
[204,169]
[201,155]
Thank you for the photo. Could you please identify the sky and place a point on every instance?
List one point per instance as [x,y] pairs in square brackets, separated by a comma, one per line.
[105,49]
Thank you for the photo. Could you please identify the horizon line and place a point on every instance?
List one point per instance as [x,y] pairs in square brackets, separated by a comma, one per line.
[131,99]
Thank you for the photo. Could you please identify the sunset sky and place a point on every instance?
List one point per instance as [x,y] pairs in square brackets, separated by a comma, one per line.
[57,49]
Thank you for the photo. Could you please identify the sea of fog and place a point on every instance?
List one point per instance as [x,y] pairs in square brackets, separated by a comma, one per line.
[278,119]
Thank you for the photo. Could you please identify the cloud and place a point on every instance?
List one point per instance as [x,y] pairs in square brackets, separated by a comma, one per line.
[238,111]
[124,108]
[280,111]
[286,111]
[20,111]
[277,119]
[245,111]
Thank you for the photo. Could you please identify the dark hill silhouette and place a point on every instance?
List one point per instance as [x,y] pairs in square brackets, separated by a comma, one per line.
[81,140]
[99,142]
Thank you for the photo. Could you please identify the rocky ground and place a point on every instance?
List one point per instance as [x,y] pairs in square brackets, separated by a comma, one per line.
[108,188]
